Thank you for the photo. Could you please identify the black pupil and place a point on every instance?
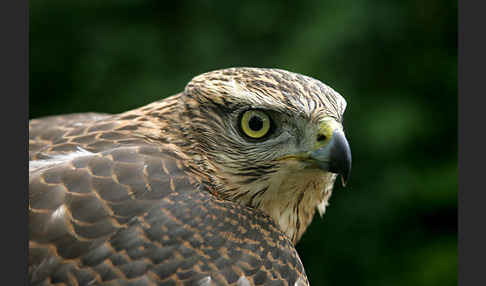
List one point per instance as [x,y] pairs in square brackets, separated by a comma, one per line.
[255,123]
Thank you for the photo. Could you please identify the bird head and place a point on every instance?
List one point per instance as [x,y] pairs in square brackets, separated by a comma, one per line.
[271,140]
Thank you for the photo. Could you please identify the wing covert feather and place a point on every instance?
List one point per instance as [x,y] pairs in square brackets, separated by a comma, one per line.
[135,216]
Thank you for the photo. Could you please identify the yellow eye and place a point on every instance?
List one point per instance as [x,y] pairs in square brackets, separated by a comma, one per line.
[255,124]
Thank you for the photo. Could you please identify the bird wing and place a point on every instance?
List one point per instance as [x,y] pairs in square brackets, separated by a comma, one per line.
[133,214]
[47,131]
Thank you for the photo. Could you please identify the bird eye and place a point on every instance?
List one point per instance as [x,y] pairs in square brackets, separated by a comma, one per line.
[255,124]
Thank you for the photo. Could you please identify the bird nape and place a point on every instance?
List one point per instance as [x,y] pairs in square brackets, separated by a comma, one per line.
[211,186]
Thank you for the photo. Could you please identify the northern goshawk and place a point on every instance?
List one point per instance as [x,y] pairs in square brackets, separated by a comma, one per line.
[211,186]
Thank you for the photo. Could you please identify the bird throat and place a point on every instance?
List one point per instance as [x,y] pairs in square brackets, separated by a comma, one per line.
[289,197]
[293,202]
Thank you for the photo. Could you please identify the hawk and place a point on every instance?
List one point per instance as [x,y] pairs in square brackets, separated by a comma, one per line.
[211,186]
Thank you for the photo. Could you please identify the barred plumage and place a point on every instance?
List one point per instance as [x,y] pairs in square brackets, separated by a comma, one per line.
[173,193]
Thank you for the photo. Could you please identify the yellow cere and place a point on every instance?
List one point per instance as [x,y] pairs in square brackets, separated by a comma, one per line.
[326,128]
[255,123]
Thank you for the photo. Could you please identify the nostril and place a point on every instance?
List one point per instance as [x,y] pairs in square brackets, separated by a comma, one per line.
[321,137]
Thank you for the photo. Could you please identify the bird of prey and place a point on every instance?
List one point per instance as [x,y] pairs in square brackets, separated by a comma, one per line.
[211,186]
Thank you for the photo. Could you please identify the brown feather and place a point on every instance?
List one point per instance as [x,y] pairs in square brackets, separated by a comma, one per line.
[167,192]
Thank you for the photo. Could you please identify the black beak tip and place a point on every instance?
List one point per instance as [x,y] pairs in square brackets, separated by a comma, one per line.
[341,158]
[345,177]
[343,181]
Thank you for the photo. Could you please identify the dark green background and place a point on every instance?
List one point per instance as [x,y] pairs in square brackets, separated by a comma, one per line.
[394,61]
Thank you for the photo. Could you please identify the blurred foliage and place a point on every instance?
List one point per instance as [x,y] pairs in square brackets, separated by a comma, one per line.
[394,61]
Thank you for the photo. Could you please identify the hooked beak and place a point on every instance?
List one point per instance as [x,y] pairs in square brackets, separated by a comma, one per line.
[335,156]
